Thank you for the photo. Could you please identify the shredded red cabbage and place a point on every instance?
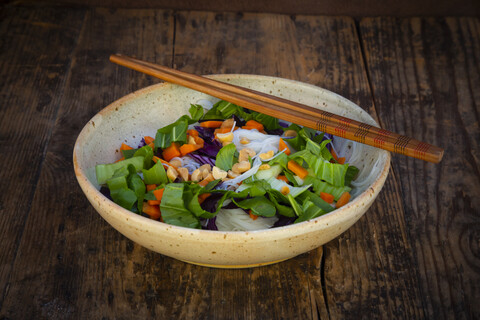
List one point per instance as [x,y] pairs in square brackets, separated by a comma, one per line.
[210,224]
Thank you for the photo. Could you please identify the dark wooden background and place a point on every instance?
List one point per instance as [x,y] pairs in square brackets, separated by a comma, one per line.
[414,255]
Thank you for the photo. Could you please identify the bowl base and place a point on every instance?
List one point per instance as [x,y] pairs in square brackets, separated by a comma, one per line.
[235,266]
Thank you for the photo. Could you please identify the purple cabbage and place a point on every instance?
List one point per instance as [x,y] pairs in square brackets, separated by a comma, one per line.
[207,134]
[327,136]
[277,132]
[210,204]
[283,221]
[142,143]
[202,159]
[210,224]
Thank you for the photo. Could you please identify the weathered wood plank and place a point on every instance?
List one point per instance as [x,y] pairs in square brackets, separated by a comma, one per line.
[425,74]
[70,262]
[367,271]
[32,76]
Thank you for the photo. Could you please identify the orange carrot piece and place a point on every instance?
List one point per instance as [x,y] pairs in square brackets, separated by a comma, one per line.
[151,187]
[125,147]
[122,158]
[152,210]
[283,178]
[297,169]
[207,180]
[211,124]
[252,216]
[254,125]
[202,197]
[187,148]
[148,139]
[283,146]
[327,197]
[171,152]
[158,193]
[151,145]
[343,200]
[222,130]
[153,202]
[192,132]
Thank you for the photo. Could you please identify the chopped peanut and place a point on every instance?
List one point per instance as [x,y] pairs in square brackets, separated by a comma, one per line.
[206,166]
[205,170]
[245,153]
[225,138]
[183,173]
[176,162]
[264,166]
[191,140]
[290,133]
[266,155]
[172,174]
[241,167]
[244,141]
[232,174]
[196,175]
[228,123]
[219,173]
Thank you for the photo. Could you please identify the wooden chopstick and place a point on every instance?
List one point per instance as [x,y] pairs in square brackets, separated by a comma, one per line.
[290,111]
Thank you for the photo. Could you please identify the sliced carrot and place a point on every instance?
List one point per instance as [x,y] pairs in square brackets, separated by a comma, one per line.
[151,145]
[211,124]
[222,130]
[156,159]
[151,187]
[283,146]
[187,148]
[343,200]
[122,158]
[192,132]
[171,152]
[125,147]
[152,210]
[297,169]
[148,139]
[283,178]
[202,197]
[335,156]
[252,216]
[207,180]
[252,124]
[327,197]
[158,193]
[153,202]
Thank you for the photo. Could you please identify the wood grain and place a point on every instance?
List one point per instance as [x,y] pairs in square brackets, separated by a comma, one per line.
[70,261]
[415,253]
[367,270]
[423,74]
[32,75]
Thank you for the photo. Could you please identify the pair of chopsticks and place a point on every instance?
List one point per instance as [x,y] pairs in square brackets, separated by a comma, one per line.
[290,111]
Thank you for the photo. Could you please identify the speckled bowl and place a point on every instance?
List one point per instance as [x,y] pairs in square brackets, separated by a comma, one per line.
[143,112]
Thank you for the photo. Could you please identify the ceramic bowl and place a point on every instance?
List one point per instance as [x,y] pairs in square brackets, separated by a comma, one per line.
[143,112]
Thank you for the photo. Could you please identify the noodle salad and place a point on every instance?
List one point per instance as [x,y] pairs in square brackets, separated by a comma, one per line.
[226,168]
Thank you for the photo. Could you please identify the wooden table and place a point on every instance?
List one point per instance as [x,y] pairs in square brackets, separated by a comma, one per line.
[414,254]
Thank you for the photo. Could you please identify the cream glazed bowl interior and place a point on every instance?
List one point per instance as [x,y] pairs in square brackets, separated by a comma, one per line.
[143,112]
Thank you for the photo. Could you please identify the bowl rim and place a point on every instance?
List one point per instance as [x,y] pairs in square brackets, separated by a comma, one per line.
[312,225]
